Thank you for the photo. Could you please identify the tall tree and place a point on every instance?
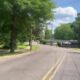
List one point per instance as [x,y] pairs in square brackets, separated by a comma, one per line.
[48,33]
[76,27]
[19,15]
[64,32]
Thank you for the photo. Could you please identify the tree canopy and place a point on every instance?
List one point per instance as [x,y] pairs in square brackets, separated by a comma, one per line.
[76,27]
[48,33]
[64,32]
[19,17]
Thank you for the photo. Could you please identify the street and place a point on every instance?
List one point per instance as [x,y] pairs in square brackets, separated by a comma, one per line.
[70,68]
[39,39]
[36,65]
[30,67]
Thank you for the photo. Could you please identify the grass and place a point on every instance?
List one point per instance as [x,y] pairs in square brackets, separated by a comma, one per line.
[1,45]
[77,49]
[35,47]
[21,48]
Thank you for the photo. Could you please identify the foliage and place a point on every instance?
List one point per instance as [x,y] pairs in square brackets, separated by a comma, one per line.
[64,32]
[43,41]
[59,44]
[48,33]
[76,27]
[37,31]
[19,17]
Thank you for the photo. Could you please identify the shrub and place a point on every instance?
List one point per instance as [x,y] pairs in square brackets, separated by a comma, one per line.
[43,41]
[59,44]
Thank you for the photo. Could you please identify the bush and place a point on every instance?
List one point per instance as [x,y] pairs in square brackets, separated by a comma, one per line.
[5,47]
[43,41]
[59,44]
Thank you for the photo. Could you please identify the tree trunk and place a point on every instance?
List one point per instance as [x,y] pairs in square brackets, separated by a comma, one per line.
[13,29]
[13,39]
[30,39]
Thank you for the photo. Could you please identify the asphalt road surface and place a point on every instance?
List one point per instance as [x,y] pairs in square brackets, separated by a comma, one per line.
[70,68]
[31,67]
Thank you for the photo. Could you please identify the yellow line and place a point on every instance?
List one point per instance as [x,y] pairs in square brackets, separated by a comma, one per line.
[54,73]
[50,72]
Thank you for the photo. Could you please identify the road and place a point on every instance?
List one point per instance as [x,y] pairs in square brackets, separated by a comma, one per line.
[31,67]
[35,66]
[70,68]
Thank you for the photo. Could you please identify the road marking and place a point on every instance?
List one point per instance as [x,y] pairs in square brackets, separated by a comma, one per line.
[57,68]
[53,70]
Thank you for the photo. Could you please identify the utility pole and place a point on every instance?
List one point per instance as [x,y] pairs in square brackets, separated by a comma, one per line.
[51,34]
[30,41]
[51,39]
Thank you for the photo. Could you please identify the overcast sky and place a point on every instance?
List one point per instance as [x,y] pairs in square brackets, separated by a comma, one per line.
[66,11]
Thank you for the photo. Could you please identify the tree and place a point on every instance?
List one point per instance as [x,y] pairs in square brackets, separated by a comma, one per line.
[64,32]
[76,27]
[19,15]
[37,31]
[48,33]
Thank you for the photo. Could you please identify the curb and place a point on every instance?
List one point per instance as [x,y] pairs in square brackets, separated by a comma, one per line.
[15,56]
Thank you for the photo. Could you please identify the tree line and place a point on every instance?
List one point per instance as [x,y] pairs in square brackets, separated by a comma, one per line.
[70,31]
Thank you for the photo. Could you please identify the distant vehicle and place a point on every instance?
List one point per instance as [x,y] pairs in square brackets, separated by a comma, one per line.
[68,43]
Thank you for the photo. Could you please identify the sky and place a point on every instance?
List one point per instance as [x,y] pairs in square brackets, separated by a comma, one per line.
[65,11]
[65,3]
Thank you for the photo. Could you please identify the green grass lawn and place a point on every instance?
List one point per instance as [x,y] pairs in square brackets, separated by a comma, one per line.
[21,48]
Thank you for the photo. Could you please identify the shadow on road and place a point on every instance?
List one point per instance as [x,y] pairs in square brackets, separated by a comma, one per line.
[4,52]
[75,53]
